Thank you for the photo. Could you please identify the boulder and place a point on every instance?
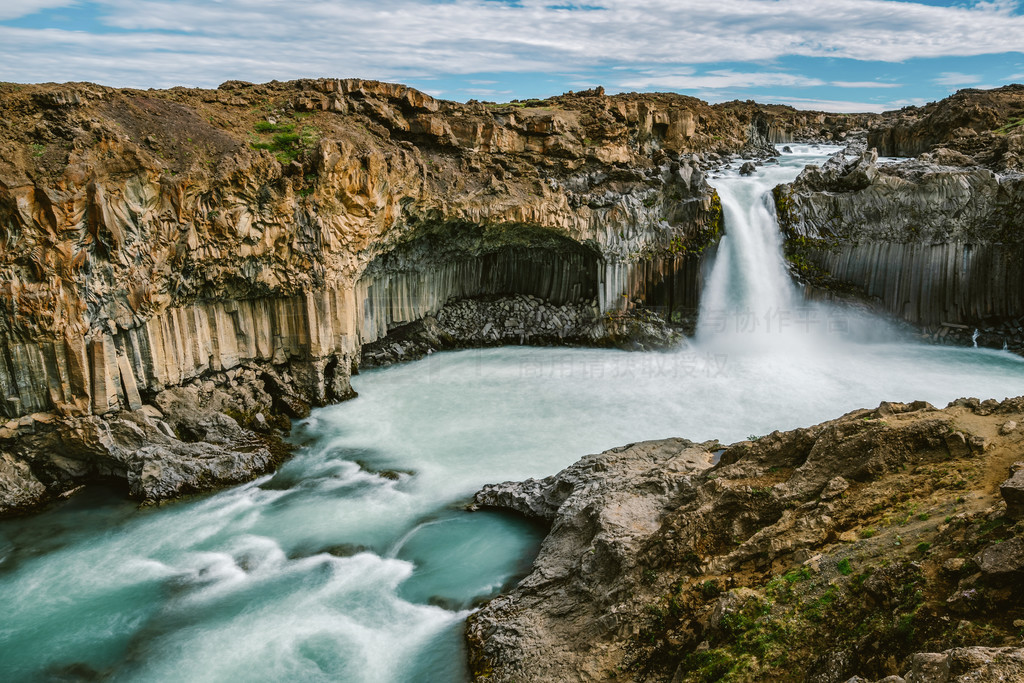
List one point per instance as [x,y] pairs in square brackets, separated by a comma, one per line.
[1002,561]
[1012,491]
[928,667]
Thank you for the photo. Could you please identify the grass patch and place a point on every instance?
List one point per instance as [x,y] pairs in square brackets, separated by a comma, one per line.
[1009,127]
[268,127]
[286,144]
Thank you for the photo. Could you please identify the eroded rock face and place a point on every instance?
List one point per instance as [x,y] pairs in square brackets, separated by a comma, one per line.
[830,553]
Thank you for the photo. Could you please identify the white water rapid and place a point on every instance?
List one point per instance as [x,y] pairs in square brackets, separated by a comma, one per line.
[355,562]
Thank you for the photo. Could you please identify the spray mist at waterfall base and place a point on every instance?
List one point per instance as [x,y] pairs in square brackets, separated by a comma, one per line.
[356,560]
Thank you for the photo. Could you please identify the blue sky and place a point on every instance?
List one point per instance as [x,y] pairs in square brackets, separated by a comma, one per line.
[839,55]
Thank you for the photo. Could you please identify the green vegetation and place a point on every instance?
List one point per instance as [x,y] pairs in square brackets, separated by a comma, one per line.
[37,150]
[767,634]
[844,567]
[522,104]
[286,144]
[268,127]
[1009,127]
[706,235]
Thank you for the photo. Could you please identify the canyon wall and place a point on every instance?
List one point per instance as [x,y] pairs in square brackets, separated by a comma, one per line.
[935,244]
[153,238]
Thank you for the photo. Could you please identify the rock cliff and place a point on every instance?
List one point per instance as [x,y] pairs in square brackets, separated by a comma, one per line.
[936,240]
[157,239]
[934,243]
[982,123]
[884,543]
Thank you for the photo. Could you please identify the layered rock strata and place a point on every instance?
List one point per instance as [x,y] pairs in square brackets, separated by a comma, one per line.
[857,549]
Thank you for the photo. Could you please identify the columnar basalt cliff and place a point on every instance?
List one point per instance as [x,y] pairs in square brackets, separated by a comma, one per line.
[157,239]
[934,243]
[937,240]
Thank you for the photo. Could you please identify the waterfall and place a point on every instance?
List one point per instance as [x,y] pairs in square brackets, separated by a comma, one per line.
[750,298]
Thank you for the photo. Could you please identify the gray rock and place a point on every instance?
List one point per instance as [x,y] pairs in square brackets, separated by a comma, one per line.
[134,446]
[1002,561]
[170,470]
[986,664]
[929,667]
[19,487]
[1012,491]
[834,488]
[602,509]
[965,665]
[748,168]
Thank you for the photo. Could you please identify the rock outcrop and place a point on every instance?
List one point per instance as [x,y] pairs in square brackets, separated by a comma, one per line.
[937,245]
[839,552]
[986,126]
[936,240]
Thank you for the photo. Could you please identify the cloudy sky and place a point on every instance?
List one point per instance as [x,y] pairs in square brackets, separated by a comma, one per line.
[841,55]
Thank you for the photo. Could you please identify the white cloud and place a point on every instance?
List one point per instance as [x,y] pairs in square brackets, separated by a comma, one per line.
[719,79]
[15,9]
[484,92]
[955,78]
[195,42]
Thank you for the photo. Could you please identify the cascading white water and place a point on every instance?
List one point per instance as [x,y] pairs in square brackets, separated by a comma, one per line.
[328,571]
[750,303]
[749,286]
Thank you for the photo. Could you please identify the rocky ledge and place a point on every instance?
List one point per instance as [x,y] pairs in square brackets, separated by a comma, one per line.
[197,437]
[522,319]
[934,241]
[884,545]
